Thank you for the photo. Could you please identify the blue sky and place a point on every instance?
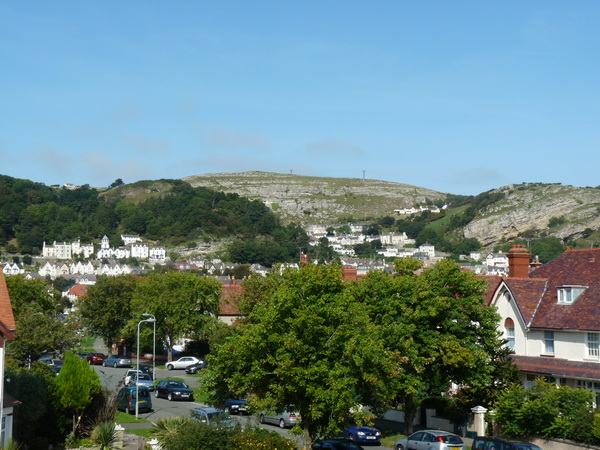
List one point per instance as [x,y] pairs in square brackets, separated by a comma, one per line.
[459,97]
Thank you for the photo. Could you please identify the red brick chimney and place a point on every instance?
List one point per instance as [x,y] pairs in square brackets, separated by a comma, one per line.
[303,258]
[518,262]
[349,273]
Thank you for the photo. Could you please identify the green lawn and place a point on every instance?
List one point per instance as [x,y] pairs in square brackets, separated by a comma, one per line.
[144,432]
[123,417]
[87,345]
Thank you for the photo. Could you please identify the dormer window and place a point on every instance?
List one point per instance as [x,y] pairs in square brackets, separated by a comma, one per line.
[568,294]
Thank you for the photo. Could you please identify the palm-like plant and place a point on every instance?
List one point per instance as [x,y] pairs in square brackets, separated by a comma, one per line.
[167,428]
[104,434]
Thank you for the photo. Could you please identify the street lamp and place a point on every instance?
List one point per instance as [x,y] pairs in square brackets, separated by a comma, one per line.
[137,383]
[153,343]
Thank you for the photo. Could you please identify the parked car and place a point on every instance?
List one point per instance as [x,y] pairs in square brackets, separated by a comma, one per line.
[284,420]
[128,374]
[195,368]
[126,399]
[236,406]
[147,369]
[430,440]
[362,434]
[174,390]
[182,362]
[213,416]
[336,444]
[116,361]
[53,362]
[96,358]
[490,443]
[141,379]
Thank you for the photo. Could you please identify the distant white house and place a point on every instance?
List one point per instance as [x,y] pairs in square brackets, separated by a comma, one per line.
[130,239]
[12,268]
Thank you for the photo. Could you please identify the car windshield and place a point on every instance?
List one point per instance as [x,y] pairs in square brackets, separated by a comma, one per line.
[142,393]
[218,415]
[142,376]
[452,439]
[180,384]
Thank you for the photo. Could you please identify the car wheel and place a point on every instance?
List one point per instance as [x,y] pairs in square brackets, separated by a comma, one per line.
[89,362]
[399,447]
[103,364]
[115,366]
[281,423]
[170,397]
[350,436]
[169,366]
[156,394]
[261,418]
[227,410]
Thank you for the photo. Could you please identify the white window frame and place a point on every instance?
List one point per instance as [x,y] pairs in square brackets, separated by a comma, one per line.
[592,345]
[568,294]
[510,337]
[549,342]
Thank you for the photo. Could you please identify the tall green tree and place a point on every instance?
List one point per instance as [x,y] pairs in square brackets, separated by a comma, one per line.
[76,386]
[304,343]
[40,327]
[183,304]
[438,328]
[106,308]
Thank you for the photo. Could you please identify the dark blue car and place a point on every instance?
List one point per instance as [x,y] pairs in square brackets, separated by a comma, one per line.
[364,434]
[236,406]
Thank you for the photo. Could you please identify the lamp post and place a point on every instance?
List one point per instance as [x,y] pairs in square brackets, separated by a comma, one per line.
[137,384]
[153,343]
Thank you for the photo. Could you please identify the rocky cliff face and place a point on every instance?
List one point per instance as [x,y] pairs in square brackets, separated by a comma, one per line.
[524,210]
[530,208]
[318,199]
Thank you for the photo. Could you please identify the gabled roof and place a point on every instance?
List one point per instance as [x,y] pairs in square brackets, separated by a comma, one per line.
[7,319]
[528,294]
[537,298]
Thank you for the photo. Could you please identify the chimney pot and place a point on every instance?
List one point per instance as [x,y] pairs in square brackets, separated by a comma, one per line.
[518,261]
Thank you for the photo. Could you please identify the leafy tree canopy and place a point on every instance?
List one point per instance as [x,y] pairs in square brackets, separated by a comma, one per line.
[183,304]
[305,343]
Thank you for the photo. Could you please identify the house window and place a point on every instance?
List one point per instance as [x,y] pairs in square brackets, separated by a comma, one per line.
[549,342]
[568,294]
[593,345]
[509,333]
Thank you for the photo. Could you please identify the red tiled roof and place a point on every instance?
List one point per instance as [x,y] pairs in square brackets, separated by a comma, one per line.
[78,289]
[230,295]
[558,368]
[7,319]
[528,293]
[573,267]
[492,281]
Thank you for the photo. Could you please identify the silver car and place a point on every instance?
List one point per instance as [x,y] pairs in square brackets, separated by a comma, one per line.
[284,420]
[430,440]
[141,379]
[214,417]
